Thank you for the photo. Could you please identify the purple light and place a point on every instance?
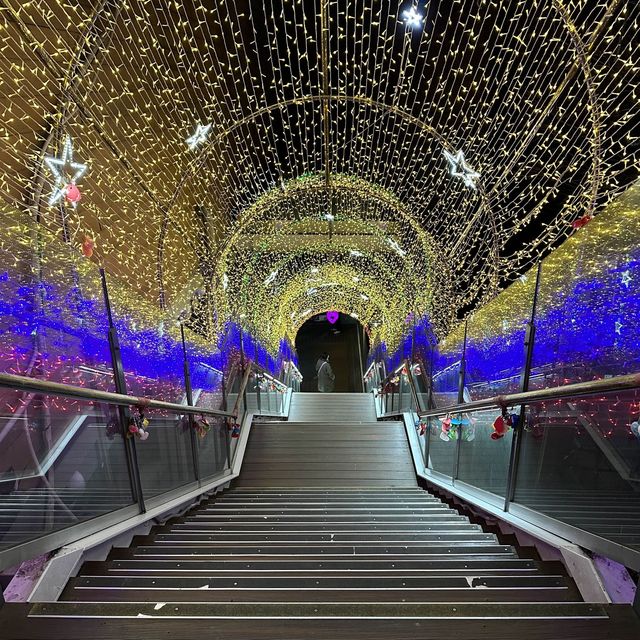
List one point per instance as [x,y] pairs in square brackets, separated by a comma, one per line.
[332,316]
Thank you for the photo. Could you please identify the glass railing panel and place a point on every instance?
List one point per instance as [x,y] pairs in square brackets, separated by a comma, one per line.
[587,320]
[580,463]
[53,322]
[421,385]
[207,371]
[442,449]
[484,450]
[212,445]
[165,457]
[48,484]
[269,407]
[404,394]
[445,369]
[494,354]
[151,349]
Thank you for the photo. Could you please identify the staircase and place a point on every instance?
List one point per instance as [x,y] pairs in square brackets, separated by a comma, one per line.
[338,408]
[315,550]
[316,454]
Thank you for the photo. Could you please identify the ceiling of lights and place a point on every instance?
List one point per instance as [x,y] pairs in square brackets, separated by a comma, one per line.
[321,156]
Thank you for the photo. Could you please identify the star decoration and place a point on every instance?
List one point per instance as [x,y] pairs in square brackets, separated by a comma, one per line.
[412,17]
[619,326]
[626,278]
[270,278]
[61,168]
[202,131]
[460,169]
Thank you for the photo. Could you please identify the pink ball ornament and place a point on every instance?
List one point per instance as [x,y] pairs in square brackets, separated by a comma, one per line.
[72,193]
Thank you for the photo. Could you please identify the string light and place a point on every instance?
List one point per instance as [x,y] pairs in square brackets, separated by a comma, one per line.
[543,110]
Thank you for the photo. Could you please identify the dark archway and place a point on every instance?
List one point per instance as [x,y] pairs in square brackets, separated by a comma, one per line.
[345,341]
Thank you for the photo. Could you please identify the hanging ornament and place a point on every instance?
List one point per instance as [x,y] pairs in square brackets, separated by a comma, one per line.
[202,426]
[332,316]
[88,245]
[635,429]
[138,426]
[465,427]
[446,432]
[581,222]
[503,424]
[66,173]
[72,193]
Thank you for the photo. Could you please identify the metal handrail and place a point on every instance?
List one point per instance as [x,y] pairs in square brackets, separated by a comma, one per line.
[371,366]
[605,385]
[591,387]
[23,383]
[263,372]
[394,373]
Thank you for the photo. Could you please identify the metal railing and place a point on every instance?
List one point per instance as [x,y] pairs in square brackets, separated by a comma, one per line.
[22,383]
[128,455]
[290,375]
[546,456]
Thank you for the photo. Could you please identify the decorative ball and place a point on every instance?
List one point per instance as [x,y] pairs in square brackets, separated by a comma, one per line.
[72,193]
[635,429]
[88,244]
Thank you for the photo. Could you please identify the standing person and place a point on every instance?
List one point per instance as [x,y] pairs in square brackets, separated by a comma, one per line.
[325,374]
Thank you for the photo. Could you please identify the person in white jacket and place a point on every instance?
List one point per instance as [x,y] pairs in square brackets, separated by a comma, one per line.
[325,374]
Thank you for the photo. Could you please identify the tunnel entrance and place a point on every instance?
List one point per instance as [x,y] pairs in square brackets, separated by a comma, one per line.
[345,341]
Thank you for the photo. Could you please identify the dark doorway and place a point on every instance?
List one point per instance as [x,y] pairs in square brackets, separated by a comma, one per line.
[345,342]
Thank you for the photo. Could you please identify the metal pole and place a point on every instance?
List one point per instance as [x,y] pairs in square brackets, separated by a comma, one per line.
[360,331]
[189,394]
[516,440]
[123,412]
[461,381]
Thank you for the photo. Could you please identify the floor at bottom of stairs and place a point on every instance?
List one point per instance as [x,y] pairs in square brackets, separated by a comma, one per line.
[620,624]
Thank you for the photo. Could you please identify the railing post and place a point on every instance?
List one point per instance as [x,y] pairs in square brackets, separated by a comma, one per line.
[461,380]
[636,600]
[123,412]
[516,441]
[258,398]
[224,392]
[189,395]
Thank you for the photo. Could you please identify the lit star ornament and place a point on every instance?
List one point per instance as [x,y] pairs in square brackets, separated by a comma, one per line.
[202,131]
[618,327]
[626,278]
[66,173]
[460,169]
[412,17]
